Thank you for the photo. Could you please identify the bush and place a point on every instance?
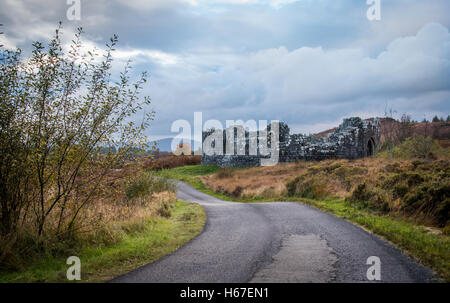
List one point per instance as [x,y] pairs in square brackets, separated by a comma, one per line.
[417,147]
[61,114]
[420,189]
[314,187]
[164,209]
[433,199]
[146,184]
[349,175]
[446,230]
[226,172]
[370,197]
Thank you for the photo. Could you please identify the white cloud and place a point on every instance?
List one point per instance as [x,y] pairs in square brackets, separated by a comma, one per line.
[155,55]
[155,4]
[415,63]
[278,3]
[304,84]
[234,61]
[273,3]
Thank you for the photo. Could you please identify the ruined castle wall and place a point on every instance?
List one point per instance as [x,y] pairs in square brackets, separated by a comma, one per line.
[354,138]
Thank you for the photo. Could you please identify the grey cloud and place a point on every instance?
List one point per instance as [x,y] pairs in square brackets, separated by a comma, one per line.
[308,84]
[305,62]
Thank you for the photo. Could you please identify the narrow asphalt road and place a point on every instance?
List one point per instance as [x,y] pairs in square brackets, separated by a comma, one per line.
[276,242]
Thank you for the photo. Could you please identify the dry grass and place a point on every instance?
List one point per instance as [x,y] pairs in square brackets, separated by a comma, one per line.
[417,189]
[170,162]
[100,221]
[270,182]
[113,205]
[257,181]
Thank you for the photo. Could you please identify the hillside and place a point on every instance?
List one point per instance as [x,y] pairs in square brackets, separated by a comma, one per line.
[390,127]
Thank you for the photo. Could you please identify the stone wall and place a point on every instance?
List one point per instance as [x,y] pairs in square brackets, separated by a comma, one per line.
[354,138]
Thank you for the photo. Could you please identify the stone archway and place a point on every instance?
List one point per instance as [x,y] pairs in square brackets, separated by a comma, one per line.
[370,148]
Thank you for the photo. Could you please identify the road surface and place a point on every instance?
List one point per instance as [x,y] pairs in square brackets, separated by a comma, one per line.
[276,242]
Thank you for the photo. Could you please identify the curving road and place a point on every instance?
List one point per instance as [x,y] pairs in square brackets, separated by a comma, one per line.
[276,242]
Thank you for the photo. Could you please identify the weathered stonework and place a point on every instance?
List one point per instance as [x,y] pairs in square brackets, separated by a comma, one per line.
[354,138]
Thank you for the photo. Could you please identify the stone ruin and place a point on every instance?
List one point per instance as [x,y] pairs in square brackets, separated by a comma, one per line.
[354,138]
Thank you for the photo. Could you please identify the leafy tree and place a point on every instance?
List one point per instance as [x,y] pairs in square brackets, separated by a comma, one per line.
[389,129]
[406,128]
[435,119]
[416,147]
[65,121]
[448,118]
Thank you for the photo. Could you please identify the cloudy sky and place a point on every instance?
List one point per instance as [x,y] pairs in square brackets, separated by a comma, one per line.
[309,63]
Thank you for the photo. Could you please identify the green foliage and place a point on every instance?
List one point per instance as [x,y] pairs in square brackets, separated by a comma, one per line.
[416,147]
[164,209]
[58,112]
[146,184]
[117,250]
[349,175]
[308,186]
[370,197]
[420,189]
[446,230]
[190,170]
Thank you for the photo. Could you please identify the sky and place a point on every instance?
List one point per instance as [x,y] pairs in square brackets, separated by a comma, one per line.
[309,63]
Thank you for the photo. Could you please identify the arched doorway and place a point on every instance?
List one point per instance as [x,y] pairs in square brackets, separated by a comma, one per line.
[370,147]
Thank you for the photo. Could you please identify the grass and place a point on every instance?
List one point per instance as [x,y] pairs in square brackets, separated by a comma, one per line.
[143,243]
[190,174]
[170,161]
[430,249]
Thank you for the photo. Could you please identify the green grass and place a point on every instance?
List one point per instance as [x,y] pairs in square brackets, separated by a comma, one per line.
[155,239]
[190,174]
[432,250]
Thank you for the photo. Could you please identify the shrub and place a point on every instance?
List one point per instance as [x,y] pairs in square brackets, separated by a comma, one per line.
[164,209]
[314,187]
[370,197]
[417,147]
[334,166]
[146,184]
[432,199]
[226,172]
[64,124]
[237,191]
[349,175]
[446,230]
[420,189]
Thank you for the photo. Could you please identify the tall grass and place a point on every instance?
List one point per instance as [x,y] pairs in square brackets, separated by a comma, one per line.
[170,162]
[125,196]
